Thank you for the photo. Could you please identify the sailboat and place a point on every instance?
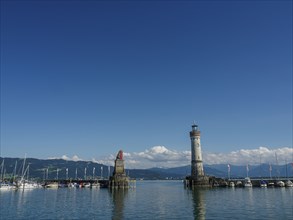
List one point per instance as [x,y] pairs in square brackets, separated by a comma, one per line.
[231,183]
[247,181]
[262,183]
[279,183]
[5,185]
[288,183]
[271,183]
[53,185]
[24,183]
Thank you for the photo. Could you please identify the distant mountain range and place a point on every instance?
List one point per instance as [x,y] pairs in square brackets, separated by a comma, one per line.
[47,169]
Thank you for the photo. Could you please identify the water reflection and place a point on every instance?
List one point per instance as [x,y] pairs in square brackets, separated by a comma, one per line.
[22,198]
[199,206]
[118,196]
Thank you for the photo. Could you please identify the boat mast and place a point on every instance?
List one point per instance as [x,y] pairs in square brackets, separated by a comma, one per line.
[22,172]
[44,174]
[247,169]
[28,172]
[57,173]
[4,174]
[260,167]
[278,171]
[47,173]
[2,168]
[14,171]
[286,169]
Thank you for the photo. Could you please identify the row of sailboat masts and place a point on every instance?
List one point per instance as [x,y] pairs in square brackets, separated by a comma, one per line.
[270,170]
[229,171]
[3,172]
[278,171]
[46,173]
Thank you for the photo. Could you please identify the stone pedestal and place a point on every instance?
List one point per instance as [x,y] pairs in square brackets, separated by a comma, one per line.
[119,182]
[195,182]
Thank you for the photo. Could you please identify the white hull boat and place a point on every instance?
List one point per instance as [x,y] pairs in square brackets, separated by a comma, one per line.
[288,183]
[28,185]
[52,185]
[247,182]
[7,186]
[280,183]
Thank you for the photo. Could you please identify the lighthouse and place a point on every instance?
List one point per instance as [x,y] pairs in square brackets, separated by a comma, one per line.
[196,156]
[197,177]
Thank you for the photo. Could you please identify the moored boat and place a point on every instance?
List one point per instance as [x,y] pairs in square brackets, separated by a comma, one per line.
[231,184]
[247,182]
[87,185]
[263,183]
[271,184]
[24,183]
[288,183]
[223,184]
[96,185]
[239,184]
[53,185]
[280,183]
[73,185]
[27,185]
[216,184]
[7,186]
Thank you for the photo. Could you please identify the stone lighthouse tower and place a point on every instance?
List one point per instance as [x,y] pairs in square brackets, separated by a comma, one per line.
[197,177]
[196,156]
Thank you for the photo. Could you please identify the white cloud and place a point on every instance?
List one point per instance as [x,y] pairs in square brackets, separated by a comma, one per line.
[161,156]
[76,158]
[251,156]
[157,156]
[65,157]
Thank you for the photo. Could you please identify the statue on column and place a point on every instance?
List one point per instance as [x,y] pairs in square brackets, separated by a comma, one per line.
[119,178]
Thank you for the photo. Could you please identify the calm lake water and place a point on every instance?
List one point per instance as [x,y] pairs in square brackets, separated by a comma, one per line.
[150,200]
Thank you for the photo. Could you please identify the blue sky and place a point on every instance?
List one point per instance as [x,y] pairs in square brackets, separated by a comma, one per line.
[88,78]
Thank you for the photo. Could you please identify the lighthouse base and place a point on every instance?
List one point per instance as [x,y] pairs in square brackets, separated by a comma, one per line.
[197,181]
